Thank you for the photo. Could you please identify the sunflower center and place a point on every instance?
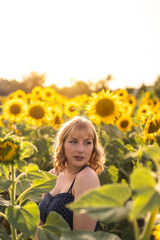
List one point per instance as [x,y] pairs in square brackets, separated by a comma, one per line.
[4,150]
[15,109]
[8,151]
[144,111]
[72,109]
[154,102]
[48,94]
[104,107]
[124,123]
[154,126]
[37,112]
[57,120]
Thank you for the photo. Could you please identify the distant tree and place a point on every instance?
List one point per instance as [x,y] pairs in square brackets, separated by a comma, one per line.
[31,81]
[8,86]
[157,86]
[78,88]
[101,84]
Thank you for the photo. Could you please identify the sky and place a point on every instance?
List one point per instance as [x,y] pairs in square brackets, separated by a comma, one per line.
[81,40]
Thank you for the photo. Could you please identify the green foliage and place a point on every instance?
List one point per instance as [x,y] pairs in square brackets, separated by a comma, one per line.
[106,204]
[53,227]
[130,190]
[3,234]
[146,197]
[23,183]
[24,218]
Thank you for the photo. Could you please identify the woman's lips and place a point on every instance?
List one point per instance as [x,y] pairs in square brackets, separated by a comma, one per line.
[79,158]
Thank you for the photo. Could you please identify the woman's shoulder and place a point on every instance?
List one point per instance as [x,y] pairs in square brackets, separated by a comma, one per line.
[86,180]
[87,175]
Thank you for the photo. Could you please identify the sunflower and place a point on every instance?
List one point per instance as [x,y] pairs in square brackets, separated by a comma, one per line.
[48,94]
[81,98]
[56,109]
[70,108]
[14,109]
[149,138]
[11,96]
[156,103]
[131,100]
[156,232]
[56,121]
[1,121]
[60,99]
[29,97]
[36,93]
[146,97]
[124,123]
[20,94]
[143,112]
[122,93]
[38,113]
[103,106]
[152,125]
[9,151]
[126,109]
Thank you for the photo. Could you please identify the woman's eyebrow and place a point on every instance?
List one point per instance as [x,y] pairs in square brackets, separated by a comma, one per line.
[77,138]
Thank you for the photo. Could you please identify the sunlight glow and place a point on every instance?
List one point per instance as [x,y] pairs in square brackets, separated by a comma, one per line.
[82,40]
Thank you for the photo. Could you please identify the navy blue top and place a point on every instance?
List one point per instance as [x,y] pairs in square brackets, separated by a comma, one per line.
[57,203]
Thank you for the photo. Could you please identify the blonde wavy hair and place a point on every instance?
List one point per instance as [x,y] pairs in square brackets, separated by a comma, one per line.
[78,124]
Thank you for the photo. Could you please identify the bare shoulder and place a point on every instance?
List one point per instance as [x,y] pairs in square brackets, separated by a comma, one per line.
[87,173]
[52,171]
[86,180]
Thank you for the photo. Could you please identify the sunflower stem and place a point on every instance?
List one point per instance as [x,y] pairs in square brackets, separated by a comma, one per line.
[146,234]
[22,194]
[3,215]
[13,230]
[136,230]
[19,236]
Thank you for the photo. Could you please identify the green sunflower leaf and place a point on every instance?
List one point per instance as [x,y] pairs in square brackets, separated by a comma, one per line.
[27,149]
[54,226]
[106,203]
[24,218]
[146,197]
[3,234]
[42,182]
[4,183]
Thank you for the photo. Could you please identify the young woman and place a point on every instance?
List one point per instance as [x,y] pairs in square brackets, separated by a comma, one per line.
[78,159]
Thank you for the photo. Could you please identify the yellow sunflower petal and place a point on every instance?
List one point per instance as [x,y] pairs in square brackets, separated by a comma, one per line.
[71,108]
[8,151]
[124,123]
[38,113]
[56,121]
[48,94]
[104,106]
[14,109]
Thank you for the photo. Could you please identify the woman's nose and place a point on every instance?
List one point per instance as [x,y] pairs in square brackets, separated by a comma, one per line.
[80,148]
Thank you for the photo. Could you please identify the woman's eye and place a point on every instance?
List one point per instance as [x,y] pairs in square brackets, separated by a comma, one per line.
[74,142]
[87,143]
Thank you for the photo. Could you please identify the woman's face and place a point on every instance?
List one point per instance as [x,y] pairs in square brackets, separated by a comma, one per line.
[78,148]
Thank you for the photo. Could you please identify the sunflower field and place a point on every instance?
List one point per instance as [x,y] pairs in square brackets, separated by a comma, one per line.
[127,203]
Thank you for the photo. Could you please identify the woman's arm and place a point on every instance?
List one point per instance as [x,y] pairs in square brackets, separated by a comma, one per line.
[86,180]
